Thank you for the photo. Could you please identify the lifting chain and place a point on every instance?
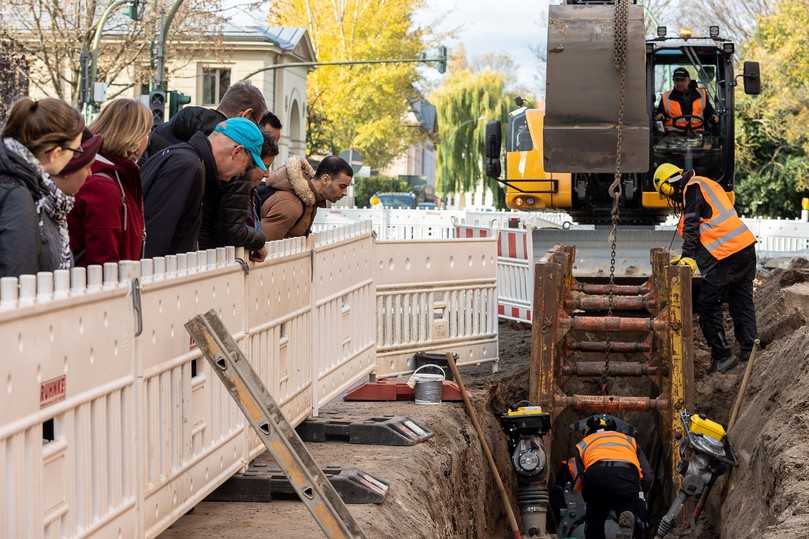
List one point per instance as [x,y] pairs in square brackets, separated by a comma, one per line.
[620,31]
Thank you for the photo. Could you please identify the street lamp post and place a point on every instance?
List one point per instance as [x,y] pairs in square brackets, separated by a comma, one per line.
[89,59]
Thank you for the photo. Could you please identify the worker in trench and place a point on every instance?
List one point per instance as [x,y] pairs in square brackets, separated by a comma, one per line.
[717,242]
[613,474]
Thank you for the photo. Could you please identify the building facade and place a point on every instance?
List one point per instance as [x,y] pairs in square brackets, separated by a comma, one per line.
[238,51]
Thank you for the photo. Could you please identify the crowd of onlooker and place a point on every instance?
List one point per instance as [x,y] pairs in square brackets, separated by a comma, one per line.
[123,188]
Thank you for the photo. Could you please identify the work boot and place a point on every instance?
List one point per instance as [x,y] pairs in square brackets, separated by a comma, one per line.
[726,364]
[626,525]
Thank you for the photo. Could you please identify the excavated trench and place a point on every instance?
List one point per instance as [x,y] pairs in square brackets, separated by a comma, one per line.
[442,488]
[768,495]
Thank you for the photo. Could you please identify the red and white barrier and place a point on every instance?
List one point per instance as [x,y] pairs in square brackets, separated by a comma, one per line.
[515,269]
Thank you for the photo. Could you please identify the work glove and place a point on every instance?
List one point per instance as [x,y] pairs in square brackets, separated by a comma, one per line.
[676,260]
[690,262]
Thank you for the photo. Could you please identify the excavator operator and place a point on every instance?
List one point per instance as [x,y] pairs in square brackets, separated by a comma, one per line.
[717,242]
[614,470]
[685,105]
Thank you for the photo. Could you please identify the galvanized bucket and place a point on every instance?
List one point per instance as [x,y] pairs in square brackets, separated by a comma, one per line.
[428,386]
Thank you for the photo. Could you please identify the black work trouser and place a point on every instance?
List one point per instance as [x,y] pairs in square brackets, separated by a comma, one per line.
[608,489]
[731,281]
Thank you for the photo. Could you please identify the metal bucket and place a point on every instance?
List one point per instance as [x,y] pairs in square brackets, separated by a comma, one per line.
[428,386]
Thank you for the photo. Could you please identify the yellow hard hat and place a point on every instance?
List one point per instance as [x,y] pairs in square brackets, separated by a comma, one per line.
[665,175]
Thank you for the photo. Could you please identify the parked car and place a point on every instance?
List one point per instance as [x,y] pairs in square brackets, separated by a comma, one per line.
[427,206]
[394,200]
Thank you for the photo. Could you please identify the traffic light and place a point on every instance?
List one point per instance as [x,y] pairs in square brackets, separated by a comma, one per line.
[442,54]
[157,104]
[177,100]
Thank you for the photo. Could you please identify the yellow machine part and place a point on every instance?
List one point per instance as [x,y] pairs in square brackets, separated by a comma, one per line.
[525,411]
[706,427]
[528,166]
[653,199]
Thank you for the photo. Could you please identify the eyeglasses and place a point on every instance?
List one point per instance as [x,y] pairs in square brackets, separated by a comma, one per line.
[74,150]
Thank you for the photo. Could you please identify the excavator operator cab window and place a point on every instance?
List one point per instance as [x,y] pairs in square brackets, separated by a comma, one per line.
[703,77]
[519,137]
[692,143]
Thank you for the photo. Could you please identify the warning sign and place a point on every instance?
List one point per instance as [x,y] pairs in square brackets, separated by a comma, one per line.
[52,391]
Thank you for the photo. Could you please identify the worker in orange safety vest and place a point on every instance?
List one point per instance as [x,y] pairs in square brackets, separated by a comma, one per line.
[613,473]
[717,242]
[686,105]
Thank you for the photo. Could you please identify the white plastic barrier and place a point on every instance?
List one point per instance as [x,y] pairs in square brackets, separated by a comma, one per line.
[69,417]
[437,296]
[343,290]
[779,235]
[515,269]
[107,433]
[505,219]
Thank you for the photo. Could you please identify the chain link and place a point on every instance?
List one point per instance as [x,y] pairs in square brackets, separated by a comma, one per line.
[620,37]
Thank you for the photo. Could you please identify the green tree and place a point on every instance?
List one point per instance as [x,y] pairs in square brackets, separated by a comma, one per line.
[772,136]
[360,107]
[466,102]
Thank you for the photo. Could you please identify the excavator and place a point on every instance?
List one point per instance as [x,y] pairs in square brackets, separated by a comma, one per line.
[562,156]
[612,318]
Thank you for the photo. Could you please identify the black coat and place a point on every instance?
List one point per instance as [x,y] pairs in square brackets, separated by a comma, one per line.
[226,217]
[696,209]
[29,241]
[174,185]
[183,126]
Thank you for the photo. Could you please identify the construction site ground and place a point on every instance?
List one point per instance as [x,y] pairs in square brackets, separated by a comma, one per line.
[442,488]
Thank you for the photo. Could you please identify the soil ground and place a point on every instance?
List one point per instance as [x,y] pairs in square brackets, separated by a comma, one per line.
[441,488]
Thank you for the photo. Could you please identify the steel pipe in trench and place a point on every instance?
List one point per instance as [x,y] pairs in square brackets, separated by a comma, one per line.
[602,303]
[619,347]
[618,289]
[618,324]
[617,368]
[610,403]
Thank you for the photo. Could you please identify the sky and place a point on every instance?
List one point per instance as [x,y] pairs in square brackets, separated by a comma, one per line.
[483,26]
[486,26]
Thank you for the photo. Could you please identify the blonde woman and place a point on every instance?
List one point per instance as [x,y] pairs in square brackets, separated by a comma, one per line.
[107,224]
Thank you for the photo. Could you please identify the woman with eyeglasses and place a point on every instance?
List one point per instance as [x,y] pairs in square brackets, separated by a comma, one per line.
[39,139]
[107,223]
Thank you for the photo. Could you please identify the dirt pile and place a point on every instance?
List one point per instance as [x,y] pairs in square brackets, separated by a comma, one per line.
[769,492]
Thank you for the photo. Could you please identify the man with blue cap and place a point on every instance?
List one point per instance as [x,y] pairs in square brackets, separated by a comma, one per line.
[183,183]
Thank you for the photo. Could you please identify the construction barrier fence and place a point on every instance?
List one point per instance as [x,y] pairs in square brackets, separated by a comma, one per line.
[112,423]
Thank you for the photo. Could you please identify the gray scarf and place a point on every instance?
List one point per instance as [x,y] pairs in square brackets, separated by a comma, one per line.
[55,203]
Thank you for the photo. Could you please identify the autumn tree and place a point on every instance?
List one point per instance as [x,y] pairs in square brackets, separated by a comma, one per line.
[772,135]
[51,36]
[466,102]
[359,107]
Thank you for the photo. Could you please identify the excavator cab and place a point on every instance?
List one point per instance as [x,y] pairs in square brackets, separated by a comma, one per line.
[706,143]
[568,159]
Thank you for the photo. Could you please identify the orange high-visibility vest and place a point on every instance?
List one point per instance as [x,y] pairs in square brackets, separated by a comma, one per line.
[673,109]
[609,445]
[723,233]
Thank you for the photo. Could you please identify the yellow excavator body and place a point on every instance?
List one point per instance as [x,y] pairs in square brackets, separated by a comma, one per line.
[529,186]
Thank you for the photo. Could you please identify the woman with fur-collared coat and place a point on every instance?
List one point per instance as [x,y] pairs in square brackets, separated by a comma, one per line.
[292,194]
